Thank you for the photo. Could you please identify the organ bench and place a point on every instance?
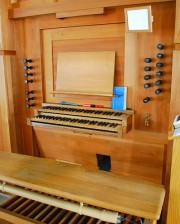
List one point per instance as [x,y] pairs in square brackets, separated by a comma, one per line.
[107,195]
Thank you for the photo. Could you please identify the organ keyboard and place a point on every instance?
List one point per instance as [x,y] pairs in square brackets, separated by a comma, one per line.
[88,120]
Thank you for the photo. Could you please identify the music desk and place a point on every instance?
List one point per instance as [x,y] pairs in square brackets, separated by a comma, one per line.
[97,188]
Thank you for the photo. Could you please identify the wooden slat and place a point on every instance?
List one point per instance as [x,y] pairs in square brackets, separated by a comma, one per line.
[83,12]
[50,216]
[15,218]
[29,208]
[15,204]
[69,5]
[173,214]
[135,197]
[58,217]
[10,201]
[6,52]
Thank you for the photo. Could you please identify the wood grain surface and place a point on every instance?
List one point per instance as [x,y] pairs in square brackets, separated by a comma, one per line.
[98,188]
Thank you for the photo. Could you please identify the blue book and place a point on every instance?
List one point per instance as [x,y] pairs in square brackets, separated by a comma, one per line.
[119,101]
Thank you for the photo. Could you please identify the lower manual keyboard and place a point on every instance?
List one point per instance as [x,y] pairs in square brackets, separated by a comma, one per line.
[79,123]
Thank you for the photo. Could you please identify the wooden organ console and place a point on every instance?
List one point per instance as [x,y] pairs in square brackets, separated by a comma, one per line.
[59,39]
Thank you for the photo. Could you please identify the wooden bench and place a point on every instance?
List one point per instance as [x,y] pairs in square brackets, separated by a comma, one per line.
[95,188]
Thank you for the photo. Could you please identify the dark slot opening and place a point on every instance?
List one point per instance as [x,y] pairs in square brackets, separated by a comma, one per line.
[104,162]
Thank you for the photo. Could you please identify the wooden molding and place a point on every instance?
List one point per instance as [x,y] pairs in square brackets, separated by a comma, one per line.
[66,6]
[13,1]
[83,12]
[7,52]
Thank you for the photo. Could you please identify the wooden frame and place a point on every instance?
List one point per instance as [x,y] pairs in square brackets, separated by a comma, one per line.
[133,17]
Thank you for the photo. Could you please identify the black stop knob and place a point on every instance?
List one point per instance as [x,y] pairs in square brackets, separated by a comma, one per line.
[147,60]
[147,85]
[160,46]
[28,67]
[147,77]
[28,74]
[158,82]
[159,55]
[146,100]
[159,74]
[29,98]
[29,92]
[159,64]
[30,105]
[27,60]
[147,68]
[28,81]
[158,91]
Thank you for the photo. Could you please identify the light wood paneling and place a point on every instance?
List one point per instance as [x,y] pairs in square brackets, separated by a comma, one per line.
[127,195]
[128,156]
[84,12]
[6,28]
[136,50]
[7,106]
[33,10]
[81,39]
[174,194]
[177,24]
[175,90]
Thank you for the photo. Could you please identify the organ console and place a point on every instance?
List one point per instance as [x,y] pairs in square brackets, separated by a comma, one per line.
[80,138]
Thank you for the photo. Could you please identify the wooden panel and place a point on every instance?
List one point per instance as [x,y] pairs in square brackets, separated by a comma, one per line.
[174,194]
[7,106]
[128,157]
[81,39]
[84,12]
[177,24]
[89,73]
[111,15]
[128,195]
[69,5]
[175,91]
[6,28]
[136,50]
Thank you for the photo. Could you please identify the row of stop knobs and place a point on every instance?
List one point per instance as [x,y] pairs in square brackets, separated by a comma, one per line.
[158,74]
[28,81]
